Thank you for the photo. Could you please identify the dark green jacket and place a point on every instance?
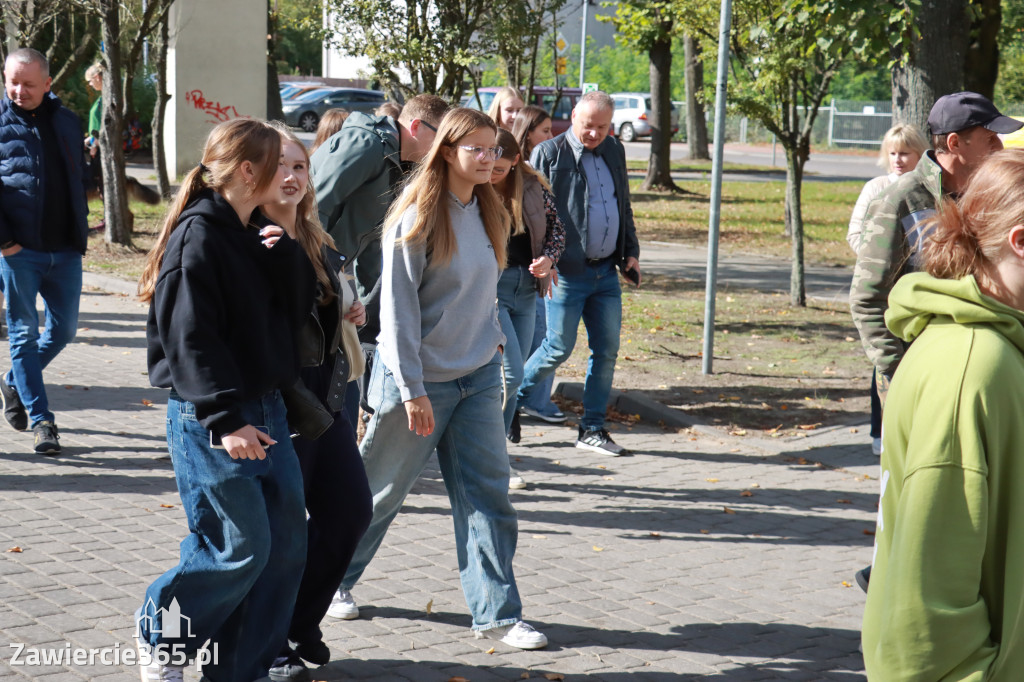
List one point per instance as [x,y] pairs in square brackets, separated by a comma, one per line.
[890,248]
[355,174]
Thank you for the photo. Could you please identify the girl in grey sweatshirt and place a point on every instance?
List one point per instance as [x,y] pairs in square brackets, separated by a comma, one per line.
[436,381]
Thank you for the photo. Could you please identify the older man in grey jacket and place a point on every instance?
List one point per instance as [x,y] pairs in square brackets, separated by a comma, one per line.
[587,171]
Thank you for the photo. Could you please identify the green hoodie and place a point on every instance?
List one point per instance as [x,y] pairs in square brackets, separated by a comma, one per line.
[946,600]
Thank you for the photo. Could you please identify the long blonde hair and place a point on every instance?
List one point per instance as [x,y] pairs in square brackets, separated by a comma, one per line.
[428,191]
[511,190]
[227,147]
[500,97]
[309,233]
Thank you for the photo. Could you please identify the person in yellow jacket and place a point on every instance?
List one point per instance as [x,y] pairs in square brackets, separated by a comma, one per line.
[946,600]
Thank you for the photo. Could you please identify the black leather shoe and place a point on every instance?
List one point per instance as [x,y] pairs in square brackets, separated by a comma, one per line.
[515,432]
[290,669]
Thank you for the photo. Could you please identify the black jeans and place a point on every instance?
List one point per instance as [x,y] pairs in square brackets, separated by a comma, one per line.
[340,508]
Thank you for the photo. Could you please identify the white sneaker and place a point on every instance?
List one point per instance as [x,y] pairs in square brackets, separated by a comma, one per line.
[515,480]
[343,606]
[521,636]
[876,446]
[154,672]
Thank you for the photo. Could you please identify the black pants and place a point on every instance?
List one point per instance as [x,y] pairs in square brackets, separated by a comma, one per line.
[340,509]
[876,409]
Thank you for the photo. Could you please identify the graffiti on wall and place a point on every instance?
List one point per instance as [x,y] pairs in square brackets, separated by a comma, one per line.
[215,111]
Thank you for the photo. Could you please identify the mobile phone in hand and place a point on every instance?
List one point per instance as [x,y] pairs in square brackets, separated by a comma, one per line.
[632,275]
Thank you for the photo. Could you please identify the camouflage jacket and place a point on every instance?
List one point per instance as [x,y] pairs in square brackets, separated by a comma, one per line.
[890,248]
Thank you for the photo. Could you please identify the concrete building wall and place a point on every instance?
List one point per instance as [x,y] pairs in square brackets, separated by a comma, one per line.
[216,71]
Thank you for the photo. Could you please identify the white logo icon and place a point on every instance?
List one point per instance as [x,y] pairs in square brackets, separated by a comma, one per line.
[170,621]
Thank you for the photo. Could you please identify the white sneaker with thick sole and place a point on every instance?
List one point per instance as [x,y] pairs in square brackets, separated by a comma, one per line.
[154,672]
[515,480]
[521,635]
[343,606]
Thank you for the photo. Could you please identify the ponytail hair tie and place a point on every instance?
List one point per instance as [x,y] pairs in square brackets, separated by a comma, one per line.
[203,169]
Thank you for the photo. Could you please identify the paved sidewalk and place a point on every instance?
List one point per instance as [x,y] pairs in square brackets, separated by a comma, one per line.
[698,558]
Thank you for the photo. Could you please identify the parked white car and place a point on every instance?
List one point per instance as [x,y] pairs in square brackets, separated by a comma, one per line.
[633,114]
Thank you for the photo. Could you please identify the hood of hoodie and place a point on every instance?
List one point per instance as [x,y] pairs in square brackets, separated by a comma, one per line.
[919,299]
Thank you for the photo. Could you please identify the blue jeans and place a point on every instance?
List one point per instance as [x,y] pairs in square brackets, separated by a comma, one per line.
[57,277]
[516,313]
[470,443]
[540,396]
[242,561]
[595,296]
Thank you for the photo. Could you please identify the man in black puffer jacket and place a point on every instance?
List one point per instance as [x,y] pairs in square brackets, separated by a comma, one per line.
[43,232]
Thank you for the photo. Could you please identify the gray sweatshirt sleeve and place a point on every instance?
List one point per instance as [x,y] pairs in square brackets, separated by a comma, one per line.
[399,339]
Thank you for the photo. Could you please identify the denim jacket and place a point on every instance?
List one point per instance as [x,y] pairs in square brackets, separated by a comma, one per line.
[558,160]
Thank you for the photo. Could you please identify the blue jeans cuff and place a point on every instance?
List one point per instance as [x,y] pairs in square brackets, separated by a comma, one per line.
[497,624]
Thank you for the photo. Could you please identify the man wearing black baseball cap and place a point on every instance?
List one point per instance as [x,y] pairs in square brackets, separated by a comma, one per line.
[964,128]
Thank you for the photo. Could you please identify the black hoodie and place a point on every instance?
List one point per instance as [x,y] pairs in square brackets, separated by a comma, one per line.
[226,309]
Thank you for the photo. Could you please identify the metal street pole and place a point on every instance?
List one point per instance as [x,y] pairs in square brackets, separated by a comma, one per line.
[714,217]
[583,43]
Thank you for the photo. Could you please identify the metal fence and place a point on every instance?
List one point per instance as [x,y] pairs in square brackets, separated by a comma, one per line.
[841,123]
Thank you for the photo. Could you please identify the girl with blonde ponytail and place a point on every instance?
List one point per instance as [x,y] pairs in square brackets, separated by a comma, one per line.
[436,378]
[946,599]
[226,301]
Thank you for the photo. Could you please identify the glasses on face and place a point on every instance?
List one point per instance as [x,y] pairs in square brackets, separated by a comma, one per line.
[482,153]
[424,123]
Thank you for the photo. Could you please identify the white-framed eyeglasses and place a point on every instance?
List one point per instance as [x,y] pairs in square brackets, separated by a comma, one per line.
[481,153]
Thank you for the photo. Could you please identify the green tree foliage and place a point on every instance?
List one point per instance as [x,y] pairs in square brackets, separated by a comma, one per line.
[1010,86]
[298,44]
[433,41]
[786,54]
[650,26]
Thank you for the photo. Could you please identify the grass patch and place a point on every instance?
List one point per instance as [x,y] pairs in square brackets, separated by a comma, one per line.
[752,218]
[777,368]
[116,260]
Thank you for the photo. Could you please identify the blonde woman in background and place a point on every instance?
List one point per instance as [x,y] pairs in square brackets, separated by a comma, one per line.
[902,148]
[506,106]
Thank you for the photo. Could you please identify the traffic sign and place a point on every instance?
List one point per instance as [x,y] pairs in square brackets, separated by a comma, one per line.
[561,45]
[590,87]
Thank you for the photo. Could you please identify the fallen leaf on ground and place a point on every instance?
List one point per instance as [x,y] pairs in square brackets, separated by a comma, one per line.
[540,537]
[728,511]
[842,501]
[755,485]
[746,493]
[430,606]
[608,478]
[808,427]
[554,676]
[738,432]
[704,531]
[490,651]
[601,466]
[655,534]
[846,584]
[167,506]
[457,679]
[868,531]
[598,549]
[16,550]
[147,403]
[711,480]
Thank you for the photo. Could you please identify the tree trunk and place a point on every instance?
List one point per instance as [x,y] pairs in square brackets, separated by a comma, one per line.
[163,182]
[659,170]
[935,65]
[982,63]
[795,225]
[115,198]
[696,126]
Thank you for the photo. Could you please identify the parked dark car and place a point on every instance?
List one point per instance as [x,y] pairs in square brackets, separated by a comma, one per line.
[305,111]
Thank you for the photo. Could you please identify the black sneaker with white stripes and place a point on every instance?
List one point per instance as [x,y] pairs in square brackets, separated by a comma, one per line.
[599,441]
